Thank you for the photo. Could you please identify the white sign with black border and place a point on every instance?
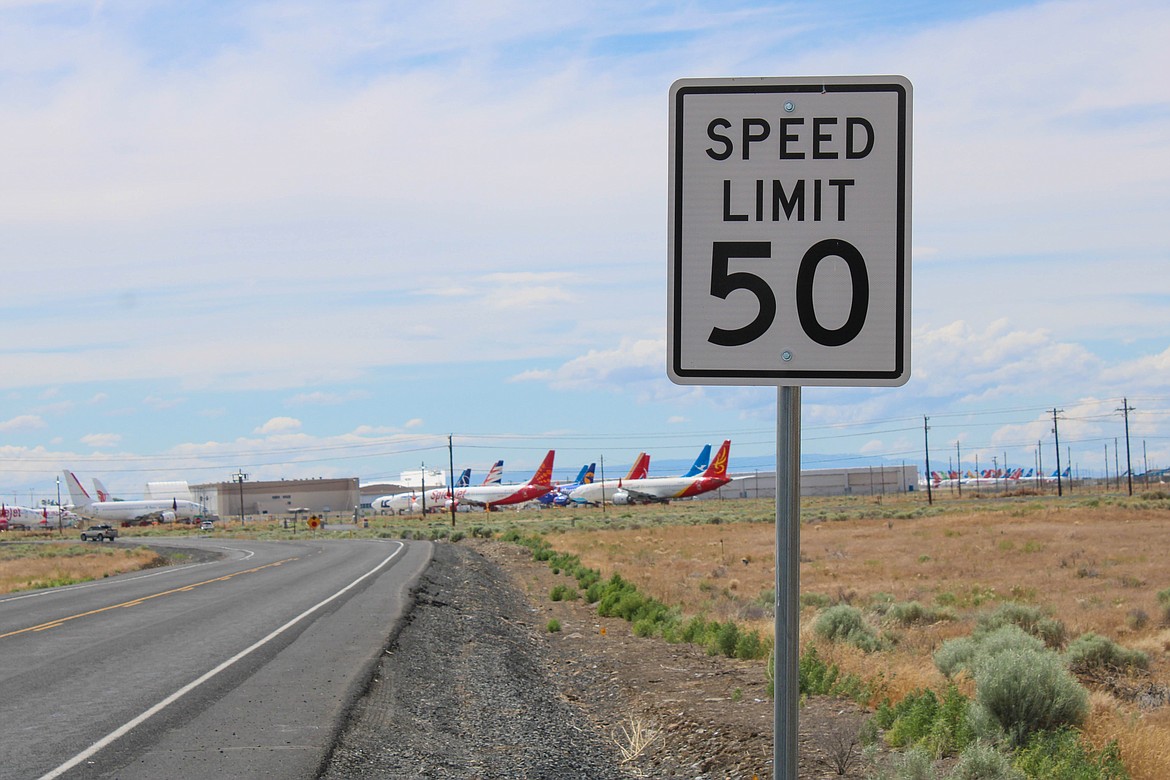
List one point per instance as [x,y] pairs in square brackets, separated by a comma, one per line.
[789,239]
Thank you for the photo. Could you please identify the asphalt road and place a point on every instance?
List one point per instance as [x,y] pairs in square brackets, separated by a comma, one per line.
[239,667]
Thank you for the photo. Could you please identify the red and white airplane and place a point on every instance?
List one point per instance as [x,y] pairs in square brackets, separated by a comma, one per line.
[493,495]
[46,517]
[596,492]
[662,489]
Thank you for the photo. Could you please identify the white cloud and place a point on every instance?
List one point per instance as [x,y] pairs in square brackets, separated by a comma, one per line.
[101,440]
[278,426]
[24,422]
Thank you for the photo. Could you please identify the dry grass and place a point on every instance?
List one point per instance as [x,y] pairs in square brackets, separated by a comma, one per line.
[32,566]
[1096,568]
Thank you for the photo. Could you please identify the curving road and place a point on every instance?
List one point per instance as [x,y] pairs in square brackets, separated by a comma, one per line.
[238,667]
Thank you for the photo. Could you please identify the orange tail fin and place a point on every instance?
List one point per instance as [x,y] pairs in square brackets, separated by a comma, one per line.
[718,467]
[543,475]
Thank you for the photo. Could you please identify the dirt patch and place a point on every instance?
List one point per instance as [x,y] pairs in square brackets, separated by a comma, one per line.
[693,715]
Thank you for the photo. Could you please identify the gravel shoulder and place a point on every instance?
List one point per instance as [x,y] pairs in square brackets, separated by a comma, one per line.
[474,686]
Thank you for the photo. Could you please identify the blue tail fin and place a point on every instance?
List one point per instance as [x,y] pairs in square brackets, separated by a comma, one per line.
[701,462]
[464,478]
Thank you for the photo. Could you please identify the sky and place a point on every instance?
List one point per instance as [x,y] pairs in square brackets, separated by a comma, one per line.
[317,239]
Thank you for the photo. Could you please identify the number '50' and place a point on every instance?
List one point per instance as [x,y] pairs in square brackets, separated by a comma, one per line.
[724,283]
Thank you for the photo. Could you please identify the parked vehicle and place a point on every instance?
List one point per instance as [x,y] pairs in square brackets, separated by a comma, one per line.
[103,532]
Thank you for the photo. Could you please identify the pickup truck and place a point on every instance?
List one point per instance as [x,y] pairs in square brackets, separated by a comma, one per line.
[99,533]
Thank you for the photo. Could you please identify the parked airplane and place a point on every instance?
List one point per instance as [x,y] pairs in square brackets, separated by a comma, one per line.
[167,510]
[495,475]
[663,489]
[489,496]
[701,463]
[46,517]
[406,503]
[101,492]
[559,495]
[596,492]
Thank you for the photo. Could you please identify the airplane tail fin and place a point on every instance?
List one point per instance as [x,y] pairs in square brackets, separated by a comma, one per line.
[464,478]
[100,491]
[701,462]
[495,473]
[543,475]
[580,480]
[588,478]
[718,467]
[77,493]
[641,467]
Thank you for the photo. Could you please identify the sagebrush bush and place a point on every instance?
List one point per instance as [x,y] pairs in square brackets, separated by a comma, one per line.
[1026,691]
[845,623]
[965,653]
[1091,652]
[983,761]
[1031,619]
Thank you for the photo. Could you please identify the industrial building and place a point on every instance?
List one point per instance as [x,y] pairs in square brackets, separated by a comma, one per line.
[337,497]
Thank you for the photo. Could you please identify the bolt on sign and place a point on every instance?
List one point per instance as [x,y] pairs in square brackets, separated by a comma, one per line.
[789,240]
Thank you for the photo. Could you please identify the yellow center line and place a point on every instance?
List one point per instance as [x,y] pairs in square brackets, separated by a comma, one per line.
[136,602]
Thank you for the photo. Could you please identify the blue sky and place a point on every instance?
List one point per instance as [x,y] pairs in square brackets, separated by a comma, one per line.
[314,239]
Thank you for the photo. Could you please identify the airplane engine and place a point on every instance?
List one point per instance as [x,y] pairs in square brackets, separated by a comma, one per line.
[620,498]
[168,517]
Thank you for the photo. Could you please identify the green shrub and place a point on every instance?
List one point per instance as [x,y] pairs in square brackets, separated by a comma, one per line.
[912,765]
[964,653]
[558,592]
[818,600]
[1090,652]
[1025,691]
[726,638]
[1031,619]
[921,720]
[818,678]
[982,761]
[554,626]
[1061,755]
[749,646]
[909,613]
[845,623]
[645,628]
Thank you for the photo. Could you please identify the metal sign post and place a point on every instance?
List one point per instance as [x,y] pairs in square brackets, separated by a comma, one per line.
[787,653]
[789,265]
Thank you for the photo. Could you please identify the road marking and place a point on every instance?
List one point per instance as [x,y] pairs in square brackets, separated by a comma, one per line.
[127,727]
[136,602]
[112,581]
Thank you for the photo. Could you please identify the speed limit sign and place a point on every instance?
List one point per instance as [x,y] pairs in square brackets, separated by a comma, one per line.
[789,242]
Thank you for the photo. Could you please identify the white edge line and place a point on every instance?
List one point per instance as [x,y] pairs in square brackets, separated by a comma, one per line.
[121,731]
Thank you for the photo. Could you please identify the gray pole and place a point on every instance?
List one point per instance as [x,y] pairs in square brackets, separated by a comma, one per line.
[787,652]
[926,444]
[451,479]
[1125,407]
[1056,434]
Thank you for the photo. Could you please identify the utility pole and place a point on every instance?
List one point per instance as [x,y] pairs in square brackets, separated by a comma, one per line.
[958,468]
[422,471]
[1039,465]
[926,440]
[60,520]
[239,478]
[1126,409]
[451,479]
[1056,433]
[1116,464]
